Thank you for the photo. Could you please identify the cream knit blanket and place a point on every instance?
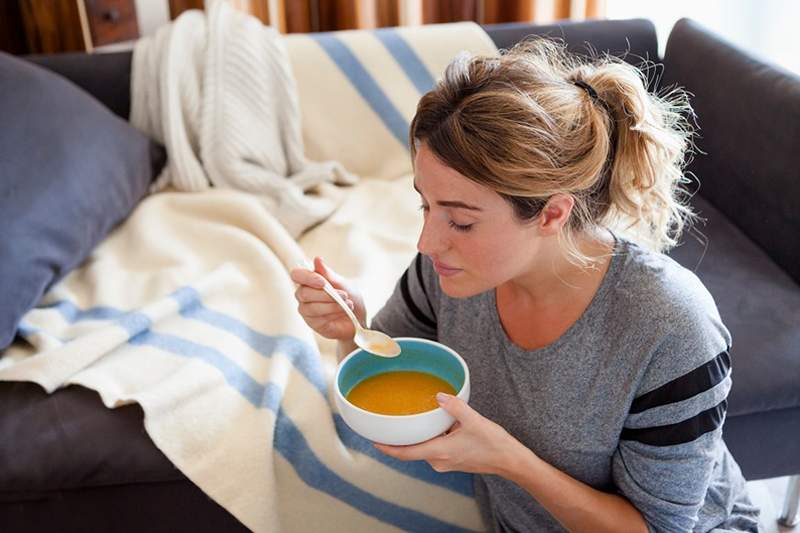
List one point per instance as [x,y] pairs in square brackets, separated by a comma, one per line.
[216,88]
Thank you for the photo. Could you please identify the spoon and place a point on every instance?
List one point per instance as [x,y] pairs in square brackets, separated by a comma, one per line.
[370,340]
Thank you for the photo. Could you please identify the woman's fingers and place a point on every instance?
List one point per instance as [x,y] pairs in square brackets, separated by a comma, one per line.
[331,326]
[304,277]
[309,295]
[335,279]
[317,310]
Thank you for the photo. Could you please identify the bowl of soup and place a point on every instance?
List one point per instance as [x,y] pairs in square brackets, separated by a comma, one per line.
[393,400]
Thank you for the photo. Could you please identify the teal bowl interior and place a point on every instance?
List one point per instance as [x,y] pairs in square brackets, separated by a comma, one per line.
[415,356]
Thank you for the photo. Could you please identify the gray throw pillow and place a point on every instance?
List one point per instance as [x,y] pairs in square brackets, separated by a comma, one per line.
[70,171]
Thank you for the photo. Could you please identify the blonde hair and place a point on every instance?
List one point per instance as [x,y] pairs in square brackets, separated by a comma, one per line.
[536,120]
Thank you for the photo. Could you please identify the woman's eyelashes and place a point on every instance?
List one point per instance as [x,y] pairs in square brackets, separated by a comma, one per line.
[458,227]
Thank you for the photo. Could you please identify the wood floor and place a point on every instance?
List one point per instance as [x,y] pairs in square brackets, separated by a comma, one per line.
[768,494]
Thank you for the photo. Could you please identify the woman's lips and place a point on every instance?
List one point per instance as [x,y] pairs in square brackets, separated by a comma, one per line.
[445,270]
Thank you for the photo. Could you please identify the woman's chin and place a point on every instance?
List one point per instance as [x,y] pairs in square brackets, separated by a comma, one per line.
[457,287]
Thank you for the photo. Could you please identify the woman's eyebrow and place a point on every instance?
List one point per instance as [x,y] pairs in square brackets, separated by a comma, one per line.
[451,203]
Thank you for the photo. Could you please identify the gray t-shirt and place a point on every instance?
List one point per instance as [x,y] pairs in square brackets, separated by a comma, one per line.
[630,399]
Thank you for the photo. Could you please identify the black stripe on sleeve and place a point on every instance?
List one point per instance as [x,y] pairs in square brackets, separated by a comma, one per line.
[418,265]
[419,315]
[679,433]
[684,387]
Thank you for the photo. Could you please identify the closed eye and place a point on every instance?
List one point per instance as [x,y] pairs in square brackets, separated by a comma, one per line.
[460,227]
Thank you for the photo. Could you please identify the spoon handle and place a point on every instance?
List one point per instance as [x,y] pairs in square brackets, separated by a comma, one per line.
[302,262]
[328,288]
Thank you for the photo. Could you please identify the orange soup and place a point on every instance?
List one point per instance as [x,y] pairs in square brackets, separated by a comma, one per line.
[399,393]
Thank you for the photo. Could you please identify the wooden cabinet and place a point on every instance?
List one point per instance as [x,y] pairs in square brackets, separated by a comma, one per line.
[111,21]
[51,26]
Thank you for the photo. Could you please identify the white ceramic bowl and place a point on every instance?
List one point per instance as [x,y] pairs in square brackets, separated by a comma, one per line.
[419,355]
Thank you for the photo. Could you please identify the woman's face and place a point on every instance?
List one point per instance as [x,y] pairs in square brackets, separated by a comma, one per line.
[469,231]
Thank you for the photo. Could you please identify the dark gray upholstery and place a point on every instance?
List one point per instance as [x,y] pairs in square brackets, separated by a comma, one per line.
[107,77]
[749,114]
[69,453]
[760,305]
[749,192]
[633,40]
[69,464]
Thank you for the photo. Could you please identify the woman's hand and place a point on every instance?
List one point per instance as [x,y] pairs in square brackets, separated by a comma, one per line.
[478,445]
[474,444]
[319,310]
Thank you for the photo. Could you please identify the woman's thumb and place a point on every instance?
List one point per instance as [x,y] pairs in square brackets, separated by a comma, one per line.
[455,406]
[321,268]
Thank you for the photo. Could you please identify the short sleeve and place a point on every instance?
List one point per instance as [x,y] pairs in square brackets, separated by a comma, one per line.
[671,440]
[411,309]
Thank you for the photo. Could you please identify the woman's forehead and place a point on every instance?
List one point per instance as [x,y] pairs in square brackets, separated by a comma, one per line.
[432,176]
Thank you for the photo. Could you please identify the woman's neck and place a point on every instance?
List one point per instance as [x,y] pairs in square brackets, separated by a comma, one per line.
[553,277]
[537,309]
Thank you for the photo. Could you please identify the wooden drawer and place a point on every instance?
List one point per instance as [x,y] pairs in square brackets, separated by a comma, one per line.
[111,21]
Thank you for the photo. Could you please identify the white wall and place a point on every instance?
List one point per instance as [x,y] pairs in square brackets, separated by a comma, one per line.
[769,29]
[151,14]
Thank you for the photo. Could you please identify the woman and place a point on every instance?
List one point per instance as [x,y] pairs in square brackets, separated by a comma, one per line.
[599,366]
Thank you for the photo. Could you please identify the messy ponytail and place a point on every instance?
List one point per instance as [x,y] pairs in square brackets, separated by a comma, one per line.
[537,120]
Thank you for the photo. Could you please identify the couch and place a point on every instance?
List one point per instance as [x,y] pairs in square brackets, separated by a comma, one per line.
[87,468]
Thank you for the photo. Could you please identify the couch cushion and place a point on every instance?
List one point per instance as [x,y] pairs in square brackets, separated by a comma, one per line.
[760,305]
[749,115]
[69,172]
[75,463]
[69,440]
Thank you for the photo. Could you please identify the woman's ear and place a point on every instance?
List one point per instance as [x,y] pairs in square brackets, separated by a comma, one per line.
[555,213]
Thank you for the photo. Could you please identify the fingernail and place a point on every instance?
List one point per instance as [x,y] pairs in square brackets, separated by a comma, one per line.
[442,398]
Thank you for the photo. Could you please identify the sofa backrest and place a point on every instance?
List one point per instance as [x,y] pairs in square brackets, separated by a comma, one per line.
[106,76]
[633,40]
[749,118]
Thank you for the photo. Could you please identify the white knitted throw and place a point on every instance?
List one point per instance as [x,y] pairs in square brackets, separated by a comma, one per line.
[216,88]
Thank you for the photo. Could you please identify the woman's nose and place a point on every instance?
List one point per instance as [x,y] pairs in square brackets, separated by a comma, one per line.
[431,241]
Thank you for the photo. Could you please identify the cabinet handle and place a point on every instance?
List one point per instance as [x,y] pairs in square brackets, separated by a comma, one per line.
[111,15]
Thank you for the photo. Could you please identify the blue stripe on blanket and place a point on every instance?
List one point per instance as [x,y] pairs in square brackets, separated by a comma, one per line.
[307,363]
[289,440]
[132,322]
[365,84]
[301,356]
[26,330]
[266,395]
[316,474]
[456,481]
[407,58]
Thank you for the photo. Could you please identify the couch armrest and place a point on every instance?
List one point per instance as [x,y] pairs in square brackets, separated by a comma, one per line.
[749,118]
[106,76]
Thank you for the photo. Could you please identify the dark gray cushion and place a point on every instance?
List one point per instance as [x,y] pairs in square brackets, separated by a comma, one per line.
[69,172]
[73,465]
[749,116]
[760,305]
